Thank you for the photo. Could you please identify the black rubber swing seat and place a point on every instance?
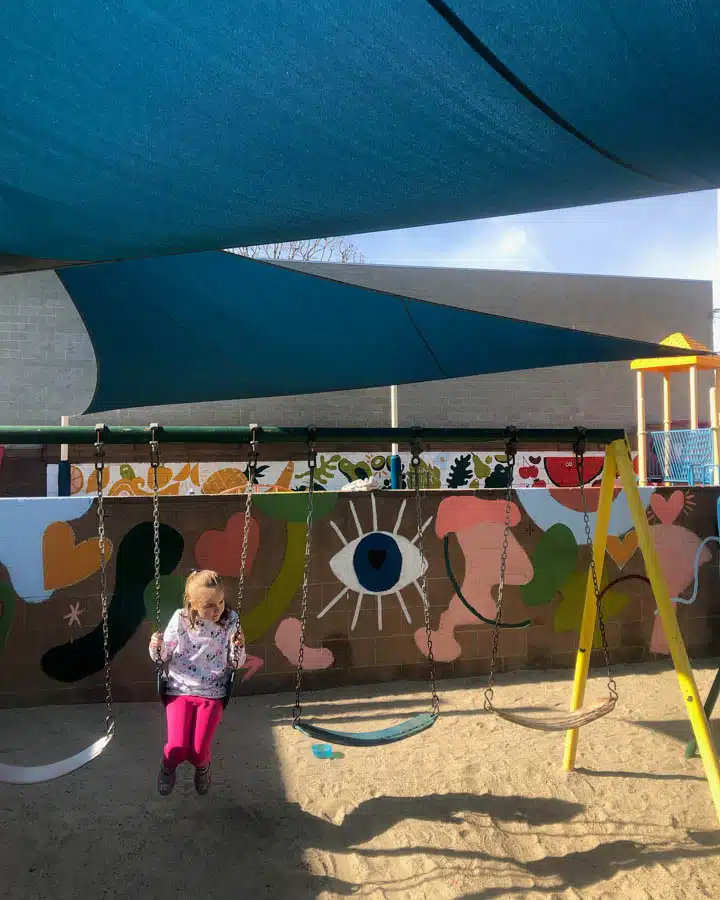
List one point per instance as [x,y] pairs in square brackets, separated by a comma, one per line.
[162,688]
[400,732]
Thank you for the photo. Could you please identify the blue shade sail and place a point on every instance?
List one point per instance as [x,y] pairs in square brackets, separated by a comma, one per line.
[216,326]
[136,128]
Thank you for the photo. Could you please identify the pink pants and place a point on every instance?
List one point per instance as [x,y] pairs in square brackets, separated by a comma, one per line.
[191,725]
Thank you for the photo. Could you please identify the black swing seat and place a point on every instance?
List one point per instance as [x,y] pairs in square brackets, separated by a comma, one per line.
[400,732]
[162,687]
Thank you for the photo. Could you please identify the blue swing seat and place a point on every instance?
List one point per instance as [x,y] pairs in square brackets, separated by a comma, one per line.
[409,728]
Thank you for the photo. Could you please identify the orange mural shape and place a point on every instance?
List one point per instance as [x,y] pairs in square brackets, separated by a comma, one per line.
[66,562]
[92,481]
[225,481]
[621,550]
[135,487]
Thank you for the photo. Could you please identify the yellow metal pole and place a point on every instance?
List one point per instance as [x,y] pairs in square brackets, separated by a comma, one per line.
[589,618]
[686,679]
[693,398]
[667,425]
[641,432]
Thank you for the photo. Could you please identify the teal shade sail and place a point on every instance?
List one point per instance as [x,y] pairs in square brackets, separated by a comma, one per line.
[216,326]
[134,128]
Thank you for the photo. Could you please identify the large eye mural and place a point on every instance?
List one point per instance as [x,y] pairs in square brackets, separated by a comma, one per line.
[377,564]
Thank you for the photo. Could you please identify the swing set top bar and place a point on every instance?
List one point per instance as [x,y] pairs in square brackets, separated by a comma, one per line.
[236,434]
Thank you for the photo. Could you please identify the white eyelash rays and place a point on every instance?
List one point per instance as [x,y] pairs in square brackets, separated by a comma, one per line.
[377,564]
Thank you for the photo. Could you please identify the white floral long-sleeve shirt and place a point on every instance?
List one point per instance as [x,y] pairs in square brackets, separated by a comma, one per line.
[198,660]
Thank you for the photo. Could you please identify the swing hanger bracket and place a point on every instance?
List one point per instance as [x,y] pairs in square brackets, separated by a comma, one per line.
[312,451]
[254,451]
[99,447]
[155,446]
[579,443]
[512,442]
[416,447]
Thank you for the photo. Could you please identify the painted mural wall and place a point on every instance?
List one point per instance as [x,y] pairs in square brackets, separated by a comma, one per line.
[449,469]
[365,611]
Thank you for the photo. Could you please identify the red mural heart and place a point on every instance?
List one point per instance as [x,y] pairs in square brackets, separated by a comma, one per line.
[222,550]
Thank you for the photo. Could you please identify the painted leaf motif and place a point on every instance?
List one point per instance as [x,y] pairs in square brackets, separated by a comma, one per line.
[460,473]
[568,614]
[127,471]
[554,561]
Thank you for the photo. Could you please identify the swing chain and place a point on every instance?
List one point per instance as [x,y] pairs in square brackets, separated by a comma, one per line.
[511,448]
[579,451]
[155,466]
[99,476]
[416,450]
[249,490]
[312,465]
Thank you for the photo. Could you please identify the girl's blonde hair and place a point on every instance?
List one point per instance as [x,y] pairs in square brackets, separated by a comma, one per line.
[201,578]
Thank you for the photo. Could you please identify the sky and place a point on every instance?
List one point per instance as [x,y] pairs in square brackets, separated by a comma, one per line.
[662,237]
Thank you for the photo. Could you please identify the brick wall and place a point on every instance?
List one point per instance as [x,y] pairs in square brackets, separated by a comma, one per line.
[48,657]
[47,366]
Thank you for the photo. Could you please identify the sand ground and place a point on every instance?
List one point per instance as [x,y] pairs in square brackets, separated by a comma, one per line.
[474,808]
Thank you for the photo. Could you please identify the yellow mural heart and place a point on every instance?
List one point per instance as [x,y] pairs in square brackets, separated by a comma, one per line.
[622,549]
[64,561]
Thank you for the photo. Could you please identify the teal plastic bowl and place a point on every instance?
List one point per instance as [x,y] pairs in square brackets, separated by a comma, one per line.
[323,751]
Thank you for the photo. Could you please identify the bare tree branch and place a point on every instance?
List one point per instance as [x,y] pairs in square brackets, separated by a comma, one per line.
[332,249]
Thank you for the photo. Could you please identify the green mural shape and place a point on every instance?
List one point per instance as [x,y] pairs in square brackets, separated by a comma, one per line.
[281,592]
[324,470]
[568,614]
[354,470]
[292,506]
[127,471]
[172,588]
[8,599]
[429,475]
[482,470]
[554,561]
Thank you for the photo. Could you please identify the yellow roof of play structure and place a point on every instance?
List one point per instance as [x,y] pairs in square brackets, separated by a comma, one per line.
[703,360]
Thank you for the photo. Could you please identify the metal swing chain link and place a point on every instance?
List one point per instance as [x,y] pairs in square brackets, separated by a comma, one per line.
[511,446]
[579,450]
[99,475]
[422,580]
[155,466]
[249,490]
[312,463]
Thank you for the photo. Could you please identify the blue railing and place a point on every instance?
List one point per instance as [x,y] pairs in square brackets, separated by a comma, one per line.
[682,456]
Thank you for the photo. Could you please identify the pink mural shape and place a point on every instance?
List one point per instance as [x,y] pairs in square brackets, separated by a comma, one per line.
[251,666]
[222,550]
[287,640]
[479,525]
[676,549]
[667,509]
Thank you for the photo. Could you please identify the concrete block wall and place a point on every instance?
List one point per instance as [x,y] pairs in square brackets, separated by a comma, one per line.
[358,629]
[47,366]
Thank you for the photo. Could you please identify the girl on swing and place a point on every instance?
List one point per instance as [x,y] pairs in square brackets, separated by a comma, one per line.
[202,643]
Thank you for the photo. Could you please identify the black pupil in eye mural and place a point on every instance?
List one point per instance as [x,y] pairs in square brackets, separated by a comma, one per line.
[377,562]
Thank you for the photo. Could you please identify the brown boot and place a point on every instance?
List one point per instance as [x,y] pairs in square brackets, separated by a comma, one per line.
[202,779]
[165,781]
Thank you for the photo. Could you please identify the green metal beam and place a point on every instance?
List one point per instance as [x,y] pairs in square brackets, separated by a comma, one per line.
[201,434]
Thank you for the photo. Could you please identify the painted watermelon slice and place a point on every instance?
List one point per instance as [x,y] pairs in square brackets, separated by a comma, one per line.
[562,470]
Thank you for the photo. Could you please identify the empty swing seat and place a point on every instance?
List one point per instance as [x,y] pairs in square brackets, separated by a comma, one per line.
[400,732]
